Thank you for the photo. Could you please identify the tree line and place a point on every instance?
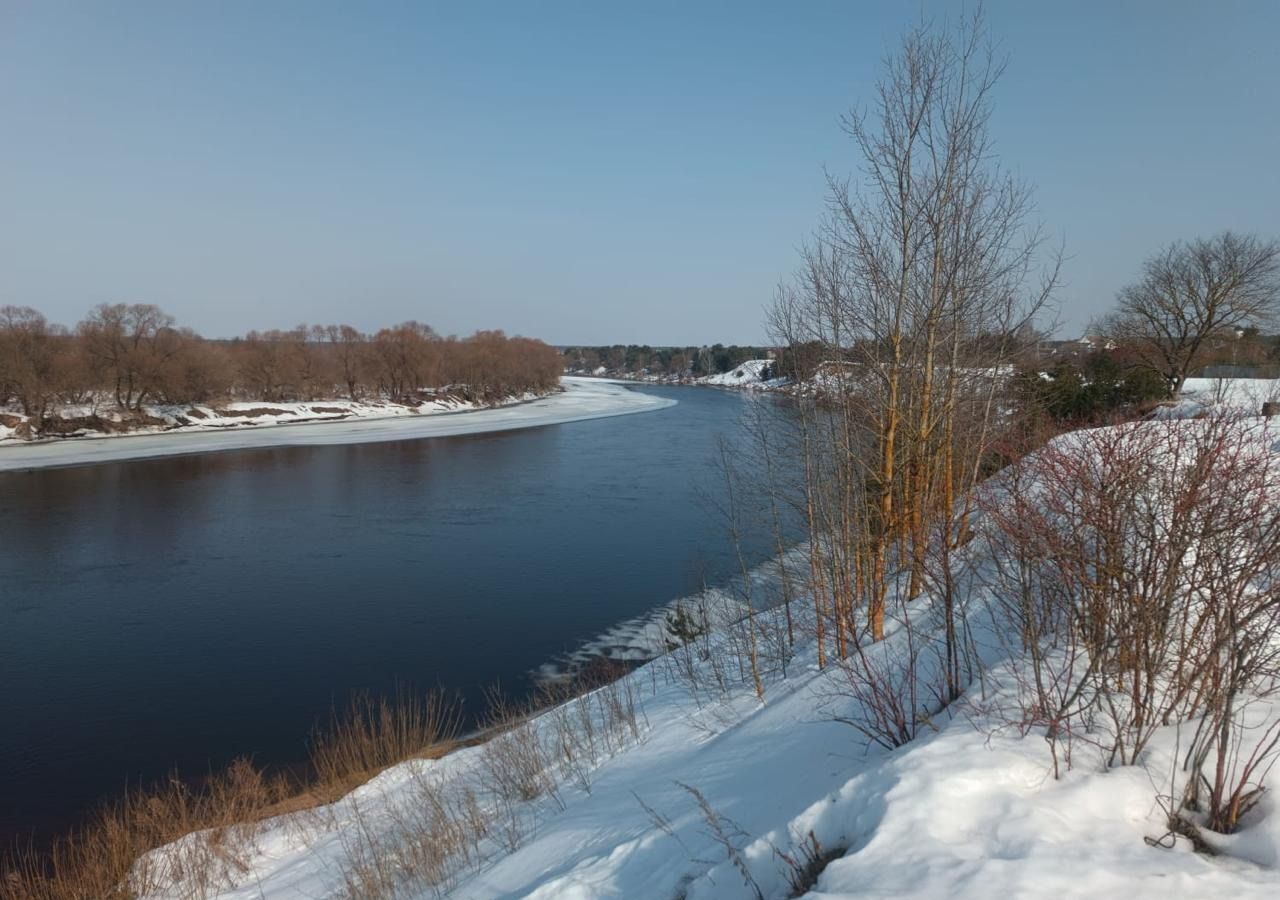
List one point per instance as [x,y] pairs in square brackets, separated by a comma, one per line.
[1197,304]
[128,356]
[673,362]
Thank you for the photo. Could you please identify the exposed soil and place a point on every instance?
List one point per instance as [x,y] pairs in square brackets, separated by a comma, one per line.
[21,427]
[65,427]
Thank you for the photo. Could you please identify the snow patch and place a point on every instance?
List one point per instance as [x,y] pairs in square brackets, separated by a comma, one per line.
[747,374]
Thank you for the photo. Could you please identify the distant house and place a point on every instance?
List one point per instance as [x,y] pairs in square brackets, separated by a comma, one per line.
[1096,342]
[1074,347]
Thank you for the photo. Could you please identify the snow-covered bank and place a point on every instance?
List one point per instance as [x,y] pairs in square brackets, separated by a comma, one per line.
[86,422]
[966,811]
[581,399]
[679,782]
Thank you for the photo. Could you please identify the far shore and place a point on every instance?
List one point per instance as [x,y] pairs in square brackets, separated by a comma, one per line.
[581,399]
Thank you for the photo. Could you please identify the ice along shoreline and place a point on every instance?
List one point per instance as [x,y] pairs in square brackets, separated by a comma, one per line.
[581,399]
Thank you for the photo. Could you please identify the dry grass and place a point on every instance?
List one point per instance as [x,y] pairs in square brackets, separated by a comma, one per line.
[110,856]
[370,735]
[433,834]
[428,835]
[422,839]
[209,830]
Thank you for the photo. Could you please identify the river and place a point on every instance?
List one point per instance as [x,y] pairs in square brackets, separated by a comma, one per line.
[172,614]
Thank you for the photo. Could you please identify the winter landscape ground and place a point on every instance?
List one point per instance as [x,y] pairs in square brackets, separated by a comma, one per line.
[1016,631]
[336,422]
[681,780]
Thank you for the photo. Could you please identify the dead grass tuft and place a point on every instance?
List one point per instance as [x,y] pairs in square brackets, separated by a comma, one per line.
[208,831]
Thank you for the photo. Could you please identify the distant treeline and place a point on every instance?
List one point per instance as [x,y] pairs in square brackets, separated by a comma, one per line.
[130,355]
[1084,381]
[675,362]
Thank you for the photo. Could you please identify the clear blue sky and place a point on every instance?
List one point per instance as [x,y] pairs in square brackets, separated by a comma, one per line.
[585,172]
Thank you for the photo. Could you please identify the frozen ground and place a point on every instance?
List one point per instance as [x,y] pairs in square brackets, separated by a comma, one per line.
[712,790]
[581,399]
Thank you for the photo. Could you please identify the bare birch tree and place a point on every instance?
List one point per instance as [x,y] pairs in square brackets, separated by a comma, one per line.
[924,270]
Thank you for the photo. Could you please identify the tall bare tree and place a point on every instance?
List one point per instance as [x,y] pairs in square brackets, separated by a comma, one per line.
[920,277]
[1193,293]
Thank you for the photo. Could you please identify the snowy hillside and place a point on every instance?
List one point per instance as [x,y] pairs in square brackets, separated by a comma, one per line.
[748,374]
[680,780]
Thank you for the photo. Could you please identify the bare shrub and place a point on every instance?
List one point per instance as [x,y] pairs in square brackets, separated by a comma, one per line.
[370,869]
[1051,688]
[1139,567]
[590,717]
[434,829]
[428,836]
[697,661]
[884,691]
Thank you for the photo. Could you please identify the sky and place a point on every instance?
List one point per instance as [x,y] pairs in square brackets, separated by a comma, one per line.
[581,172]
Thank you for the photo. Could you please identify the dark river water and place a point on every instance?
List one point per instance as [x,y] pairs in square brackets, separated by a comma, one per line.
[177,613]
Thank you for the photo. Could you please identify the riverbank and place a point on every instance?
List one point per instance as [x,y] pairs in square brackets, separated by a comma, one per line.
[580,400]
[845,778]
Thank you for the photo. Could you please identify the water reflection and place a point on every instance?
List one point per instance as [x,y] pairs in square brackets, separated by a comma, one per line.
[186,610]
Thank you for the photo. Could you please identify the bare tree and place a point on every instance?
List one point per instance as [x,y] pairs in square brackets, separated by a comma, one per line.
[1191,294]
[266,365]
[915,287]
[131,344]
[345,345]
[31,356]
[408,359]
[135,355]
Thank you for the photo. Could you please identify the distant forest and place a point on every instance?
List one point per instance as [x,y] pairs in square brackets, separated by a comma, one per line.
[673,362]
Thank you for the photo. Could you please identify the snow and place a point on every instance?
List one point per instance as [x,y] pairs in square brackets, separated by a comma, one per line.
[1244,395]
[355,424]
[969,808]
[957,813]
[745,374]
